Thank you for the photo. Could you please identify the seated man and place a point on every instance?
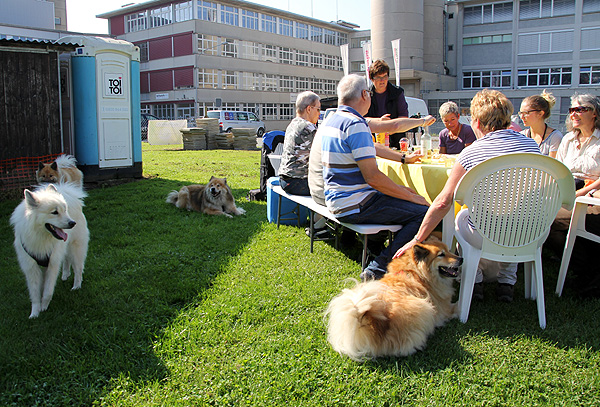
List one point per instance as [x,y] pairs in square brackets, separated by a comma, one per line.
[293,170]
[456,136]
[355,190]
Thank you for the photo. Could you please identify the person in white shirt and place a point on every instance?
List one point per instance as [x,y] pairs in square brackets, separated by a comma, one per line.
[535,110]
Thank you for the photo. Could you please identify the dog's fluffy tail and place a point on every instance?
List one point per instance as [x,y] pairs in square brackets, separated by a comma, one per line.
[173,197]
[358,320]
[66,161]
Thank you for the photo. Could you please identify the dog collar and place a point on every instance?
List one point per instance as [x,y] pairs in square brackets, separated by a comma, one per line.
[41,262]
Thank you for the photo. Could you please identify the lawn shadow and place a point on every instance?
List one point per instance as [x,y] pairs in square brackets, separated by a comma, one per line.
[147,261]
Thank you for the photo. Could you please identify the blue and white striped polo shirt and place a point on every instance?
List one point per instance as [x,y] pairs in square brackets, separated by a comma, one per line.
[345,139]
[494,144]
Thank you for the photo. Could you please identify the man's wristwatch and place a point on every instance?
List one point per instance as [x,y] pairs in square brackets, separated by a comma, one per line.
[591,193]
[403,158]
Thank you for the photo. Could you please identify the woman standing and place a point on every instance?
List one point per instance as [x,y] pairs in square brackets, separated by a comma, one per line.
[579,150]
[535,110]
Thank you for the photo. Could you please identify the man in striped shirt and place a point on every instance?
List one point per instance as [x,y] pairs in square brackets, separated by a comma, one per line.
[490,118]
[355,190]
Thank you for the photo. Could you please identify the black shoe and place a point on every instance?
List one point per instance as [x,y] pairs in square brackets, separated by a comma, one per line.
[478,291]
[505,292]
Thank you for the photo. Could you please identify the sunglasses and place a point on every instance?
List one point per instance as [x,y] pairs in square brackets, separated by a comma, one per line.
[527,112]
[579,109]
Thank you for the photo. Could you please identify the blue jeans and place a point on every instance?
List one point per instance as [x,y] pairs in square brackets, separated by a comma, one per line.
[386,210]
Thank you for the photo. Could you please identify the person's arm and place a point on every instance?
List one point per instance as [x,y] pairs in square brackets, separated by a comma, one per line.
[442,150]
[382,183]
[585,191]
[438,209]
[387,153]
[399,125]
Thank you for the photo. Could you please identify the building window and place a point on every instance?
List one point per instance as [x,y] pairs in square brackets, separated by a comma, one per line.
[316,84]
[286,83]
[286,56]
[184,11]
[251,81]
[488,13]
[185,110]
[302,58]
[546,42]
[329,86]
[250,19]
[208,78]
[270,111]
[270,83]
[591,6]
[207,10]
[165,111]
[358,42]
[302,84]
[487,39]
[357,66]
[229,48]
[316,34]
[544,77]
[589,75]
[160,16]
[545,8]
[330,62]
[229,79]
[329,36]
[136,22]
[229,15]
[269,53]
[302,31]
[286,27]
[208,44]
[590,38]
[316,60]
[250,50]
[342,38]
[286,111]
[268,23]
[143,51]
[486,79]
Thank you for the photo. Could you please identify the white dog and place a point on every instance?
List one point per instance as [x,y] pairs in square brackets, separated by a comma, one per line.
[41,243]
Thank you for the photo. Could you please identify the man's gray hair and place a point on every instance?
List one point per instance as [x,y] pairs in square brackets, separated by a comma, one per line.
[350,88]
[447,108]
[305,99]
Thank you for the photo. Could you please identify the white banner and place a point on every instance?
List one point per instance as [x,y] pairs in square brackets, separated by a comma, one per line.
[368,54]
[396,52]
[345,61]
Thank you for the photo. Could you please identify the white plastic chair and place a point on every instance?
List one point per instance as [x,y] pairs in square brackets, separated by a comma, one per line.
[512,201]
[576,228]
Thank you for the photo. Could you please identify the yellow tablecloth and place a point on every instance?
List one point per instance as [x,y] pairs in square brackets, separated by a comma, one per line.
[427,180]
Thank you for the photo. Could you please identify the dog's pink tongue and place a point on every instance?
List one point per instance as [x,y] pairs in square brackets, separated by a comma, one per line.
[61,233]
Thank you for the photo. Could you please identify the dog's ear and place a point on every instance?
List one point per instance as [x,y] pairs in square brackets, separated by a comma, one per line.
[40,165]
[420,252]
[225,181]
[54,166]
[52,187]
[30,199]
[211,178]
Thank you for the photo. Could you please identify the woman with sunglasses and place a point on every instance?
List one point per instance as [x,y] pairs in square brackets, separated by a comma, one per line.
[534,112]
[579,149]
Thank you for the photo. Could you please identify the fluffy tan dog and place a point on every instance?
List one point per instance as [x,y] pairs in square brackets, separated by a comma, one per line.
[214,198]
[63,169]
[395,315]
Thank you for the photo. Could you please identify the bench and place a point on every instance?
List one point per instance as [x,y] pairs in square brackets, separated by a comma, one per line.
[364,230]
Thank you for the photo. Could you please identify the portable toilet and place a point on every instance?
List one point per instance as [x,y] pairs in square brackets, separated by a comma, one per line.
[105,79]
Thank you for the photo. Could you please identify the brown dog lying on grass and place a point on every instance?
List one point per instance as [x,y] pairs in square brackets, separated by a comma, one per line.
[395,315]
[214,198]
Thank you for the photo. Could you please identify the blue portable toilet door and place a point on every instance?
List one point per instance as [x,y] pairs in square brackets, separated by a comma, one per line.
[115,139]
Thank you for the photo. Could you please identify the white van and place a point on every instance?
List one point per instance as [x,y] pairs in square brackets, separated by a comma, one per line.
[416,107]
[232,119]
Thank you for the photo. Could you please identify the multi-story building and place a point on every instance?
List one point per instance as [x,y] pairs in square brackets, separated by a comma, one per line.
[522,47]
[201,55]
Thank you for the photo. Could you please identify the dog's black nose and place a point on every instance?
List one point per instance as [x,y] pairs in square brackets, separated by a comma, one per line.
[72,224]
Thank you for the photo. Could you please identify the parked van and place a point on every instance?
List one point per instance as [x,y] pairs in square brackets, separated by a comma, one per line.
[416,107]
[231,119]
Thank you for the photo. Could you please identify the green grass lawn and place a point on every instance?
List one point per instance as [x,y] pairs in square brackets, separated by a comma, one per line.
[184,309]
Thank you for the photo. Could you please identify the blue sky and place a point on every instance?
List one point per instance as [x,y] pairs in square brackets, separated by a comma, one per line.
[81,14]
